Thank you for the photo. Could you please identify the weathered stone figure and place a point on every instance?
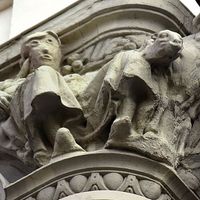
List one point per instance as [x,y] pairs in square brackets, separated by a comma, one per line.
[127,105]
[188,81]
[41,103]
[134,90]
[148,104]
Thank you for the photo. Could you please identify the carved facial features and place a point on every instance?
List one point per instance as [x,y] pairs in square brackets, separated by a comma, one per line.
[44,50]
[169,43]
[165,47]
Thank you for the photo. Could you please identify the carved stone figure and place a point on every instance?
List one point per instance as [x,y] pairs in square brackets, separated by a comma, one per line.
[41,103]
[133,93]
[129,104]
[188,80]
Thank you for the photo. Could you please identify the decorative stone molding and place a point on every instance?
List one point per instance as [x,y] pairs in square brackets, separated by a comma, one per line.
[102,181]
[101,170]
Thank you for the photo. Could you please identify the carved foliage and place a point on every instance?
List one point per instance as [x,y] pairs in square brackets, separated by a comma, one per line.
[96,55]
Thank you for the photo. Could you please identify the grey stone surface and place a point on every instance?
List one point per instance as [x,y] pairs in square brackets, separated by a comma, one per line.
[33,117]
[124,81]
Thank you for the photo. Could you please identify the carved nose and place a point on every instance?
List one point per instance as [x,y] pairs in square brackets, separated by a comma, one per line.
[45,51]
[176,41]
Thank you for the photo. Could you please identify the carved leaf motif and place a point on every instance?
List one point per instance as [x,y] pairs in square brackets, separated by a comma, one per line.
[62,190]
[62,194]
[129,190]
[94,188]
[95,182]
[131,182]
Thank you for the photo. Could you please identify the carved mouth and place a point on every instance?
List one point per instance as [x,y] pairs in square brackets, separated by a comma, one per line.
[46,57]
[176,45]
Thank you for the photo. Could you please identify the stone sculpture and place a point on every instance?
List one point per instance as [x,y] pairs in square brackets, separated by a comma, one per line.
[128,94]
[42,102]
[134,102]
[188,78]
[132,92]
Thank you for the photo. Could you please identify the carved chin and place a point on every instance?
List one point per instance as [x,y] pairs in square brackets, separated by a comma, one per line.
[45,62]
[169,53]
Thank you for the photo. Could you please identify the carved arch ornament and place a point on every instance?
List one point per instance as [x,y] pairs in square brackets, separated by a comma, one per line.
[102,170]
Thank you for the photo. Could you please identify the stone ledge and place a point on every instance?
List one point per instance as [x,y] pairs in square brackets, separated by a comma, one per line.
[99,163]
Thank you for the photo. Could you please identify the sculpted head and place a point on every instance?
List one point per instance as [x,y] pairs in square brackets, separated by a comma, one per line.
[42,48]
[163,47]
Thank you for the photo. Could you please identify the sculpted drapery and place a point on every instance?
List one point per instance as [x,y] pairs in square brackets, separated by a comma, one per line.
[41,103]
[134,102]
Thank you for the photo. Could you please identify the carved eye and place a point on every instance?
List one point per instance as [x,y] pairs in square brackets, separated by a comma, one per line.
[177,41]
[163,35]
[49,40]
[34,43]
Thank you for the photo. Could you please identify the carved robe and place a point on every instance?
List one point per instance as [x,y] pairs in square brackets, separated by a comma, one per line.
[43,91]
[102,98]
[155,103]
[110,84]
